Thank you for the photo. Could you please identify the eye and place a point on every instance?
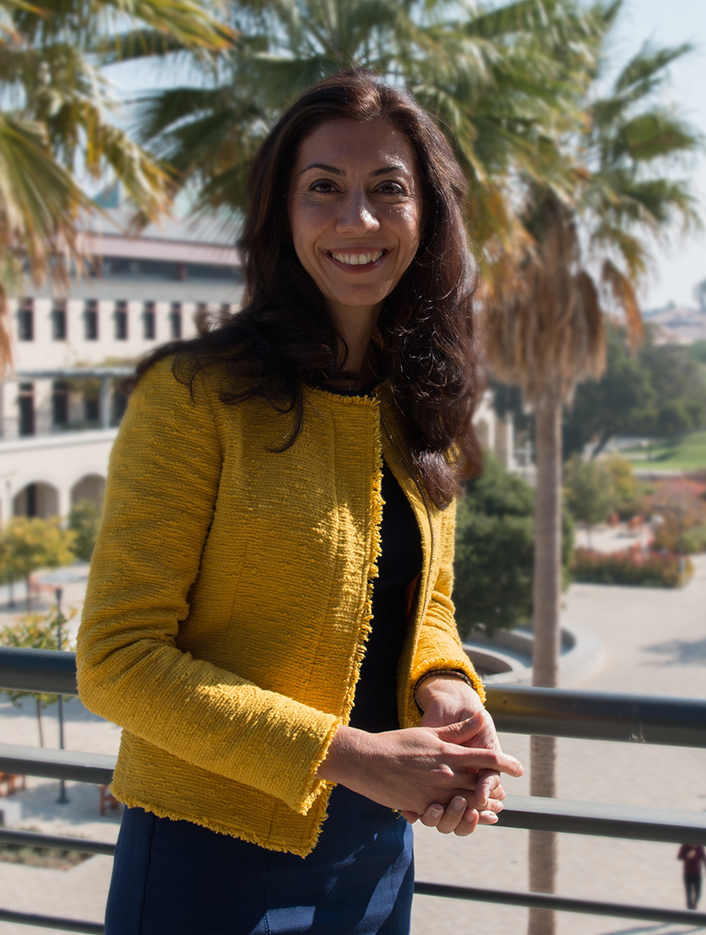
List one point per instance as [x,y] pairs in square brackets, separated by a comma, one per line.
[322,186]
[391,188]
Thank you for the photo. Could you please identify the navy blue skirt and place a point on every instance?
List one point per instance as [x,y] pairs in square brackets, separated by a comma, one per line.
[178,878]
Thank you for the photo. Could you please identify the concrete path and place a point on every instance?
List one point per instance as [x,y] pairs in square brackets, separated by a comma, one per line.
[655,643]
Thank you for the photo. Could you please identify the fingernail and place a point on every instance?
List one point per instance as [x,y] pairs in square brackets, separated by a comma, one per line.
[471,815]
[458,803]
[436,811]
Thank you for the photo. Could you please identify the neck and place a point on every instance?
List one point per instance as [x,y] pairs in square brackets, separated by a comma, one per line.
[356,326]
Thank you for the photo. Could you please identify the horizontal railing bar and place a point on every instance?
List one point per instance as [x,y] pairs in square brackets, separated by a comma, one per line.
[38,670]
[57,842]
[544,814]
[557,712]
[57,764]
[52,922]
[560,903]
[604,820]
[553,712]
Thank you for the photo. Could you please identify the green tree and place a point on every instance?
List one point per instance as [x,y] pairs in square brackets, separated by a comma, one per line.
[622,477]
[84,520]
[615,405]
[658,392]
[697,350]
[55,125]
[547,319]
[491,75]
[495,551]
[31,544]
[35,631]
[588,491]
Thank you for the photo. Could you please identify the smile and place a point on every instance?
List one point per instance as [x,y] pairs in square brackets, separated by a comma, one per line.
[357,259]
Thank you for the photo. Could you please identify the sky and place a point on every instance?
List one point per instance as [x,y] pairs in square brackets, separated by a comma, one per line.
[678,267]
[668,23]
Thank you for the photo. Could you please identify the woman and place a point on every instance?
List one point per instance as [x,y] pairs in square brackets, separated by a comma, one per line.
[269,612]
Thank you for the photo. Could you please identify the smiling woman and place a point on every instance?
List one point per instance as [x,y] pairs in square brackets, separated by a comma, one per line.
[269,611]
[355,212]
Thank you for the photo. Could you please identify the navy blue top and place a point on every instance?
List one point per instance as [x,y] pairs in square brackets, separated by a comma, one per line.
[400,562]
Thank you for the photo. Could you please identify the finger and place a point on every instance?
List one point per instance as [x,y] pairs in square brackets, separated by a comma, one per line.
[494,805]
[453,815]
[487,818]
[469,823]
[432,816]
[411,817]
[487,782]
[494,760]
[462,731]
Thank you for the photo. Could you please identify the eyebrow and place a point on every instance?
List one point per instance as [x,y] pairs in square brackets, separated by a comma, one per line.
[334,171]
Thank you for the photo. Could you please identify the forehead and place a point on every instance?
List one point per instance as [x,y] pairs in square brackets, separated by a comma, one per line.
[348,144]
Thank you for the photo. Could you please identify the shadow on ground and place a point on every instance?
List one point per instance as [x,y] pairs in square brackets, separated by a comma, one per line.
[681,652]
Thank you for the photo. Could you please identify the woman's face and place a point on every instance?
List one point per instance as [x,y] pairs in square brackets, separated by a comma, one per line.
[355,212]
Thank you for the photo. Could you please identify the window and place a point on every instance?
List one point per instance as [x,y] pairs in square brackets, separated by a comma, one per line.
[119,405]
[121,321]
[175,320]
[90,320]
[92,409]
[25,321]
[58,321]
[25,402]
[60,403]
[202,318]
[149,322]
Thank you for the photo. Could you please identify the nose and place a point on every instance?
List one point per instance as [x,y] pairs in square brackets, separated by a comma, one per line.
[357,215]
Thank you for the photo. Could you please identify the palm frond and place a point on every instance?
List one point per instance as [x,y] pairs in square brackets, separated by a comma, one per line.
[624,295]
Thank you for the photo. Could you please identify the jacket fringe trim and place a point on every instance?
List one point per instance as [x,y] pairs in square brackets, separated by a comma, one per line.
[131,801]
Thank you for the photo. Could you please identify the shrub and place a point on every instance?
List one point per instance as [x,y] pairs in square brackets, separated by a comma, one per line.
[632,567]
[84,520]
[625,484]
[693,540]
[589,491]
[494,562]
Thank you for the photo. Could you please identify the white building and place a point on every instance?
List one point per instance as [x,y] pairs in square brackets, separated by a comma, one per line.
[60,407]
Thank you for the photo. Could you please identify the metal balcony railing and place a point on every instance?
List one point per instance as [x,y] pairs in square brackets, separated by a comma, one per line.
[553,712]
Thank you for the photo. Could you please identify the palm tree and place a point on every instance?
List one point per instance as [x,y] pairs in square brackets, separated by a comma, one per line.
[584,257]
[55,122]
[490,75]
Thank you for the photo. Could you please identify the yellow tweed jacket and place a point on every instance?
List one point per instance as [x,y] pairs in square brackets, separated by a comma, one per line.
[229,601]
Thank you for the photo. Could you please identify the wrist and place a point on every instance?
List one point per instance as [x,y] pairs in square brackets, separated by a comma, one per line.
[346,747]
[441,680]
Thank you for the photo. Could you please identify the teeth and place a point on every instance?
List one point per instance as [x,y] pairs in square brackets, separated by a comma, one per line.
[357,259]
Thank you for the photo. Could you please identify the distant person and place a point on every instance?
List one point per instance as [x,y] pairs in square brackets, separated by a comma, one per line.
[693,856]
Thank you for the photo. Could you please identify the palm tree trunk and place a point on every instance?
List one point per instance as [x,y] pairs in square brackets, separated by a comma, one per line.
[545,658]
[39,721]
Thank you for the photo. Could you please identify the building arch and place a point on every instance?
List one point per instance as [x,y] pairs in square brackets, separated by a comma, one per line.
[89,487]
[38,498]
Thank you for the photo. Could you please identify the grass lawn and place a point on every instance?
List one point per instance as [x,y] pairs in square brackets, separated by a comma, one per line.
[688,454]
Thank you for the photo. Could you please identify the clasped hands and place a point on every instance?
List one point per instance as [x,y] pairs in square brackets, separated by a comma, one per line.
[446,772]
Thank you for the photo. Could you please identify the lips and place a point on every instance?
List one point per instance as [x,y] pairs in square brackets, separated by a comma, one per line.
[357,259]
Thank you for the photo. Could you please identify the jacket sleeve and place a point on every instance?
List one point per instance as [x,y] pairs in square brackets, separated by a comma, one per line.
[162,487]
[439,645]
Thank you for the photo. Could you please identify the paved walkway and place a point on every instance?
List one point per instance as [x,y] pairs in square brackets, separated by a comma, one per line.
[655,643]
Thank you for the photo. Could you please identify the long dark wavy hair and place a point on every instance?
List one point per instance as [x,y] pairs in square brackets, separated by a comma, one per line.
[284,338]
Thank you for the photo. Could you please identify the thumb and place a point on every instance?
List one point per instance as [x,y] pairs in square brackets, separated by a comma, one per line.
[461,731]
